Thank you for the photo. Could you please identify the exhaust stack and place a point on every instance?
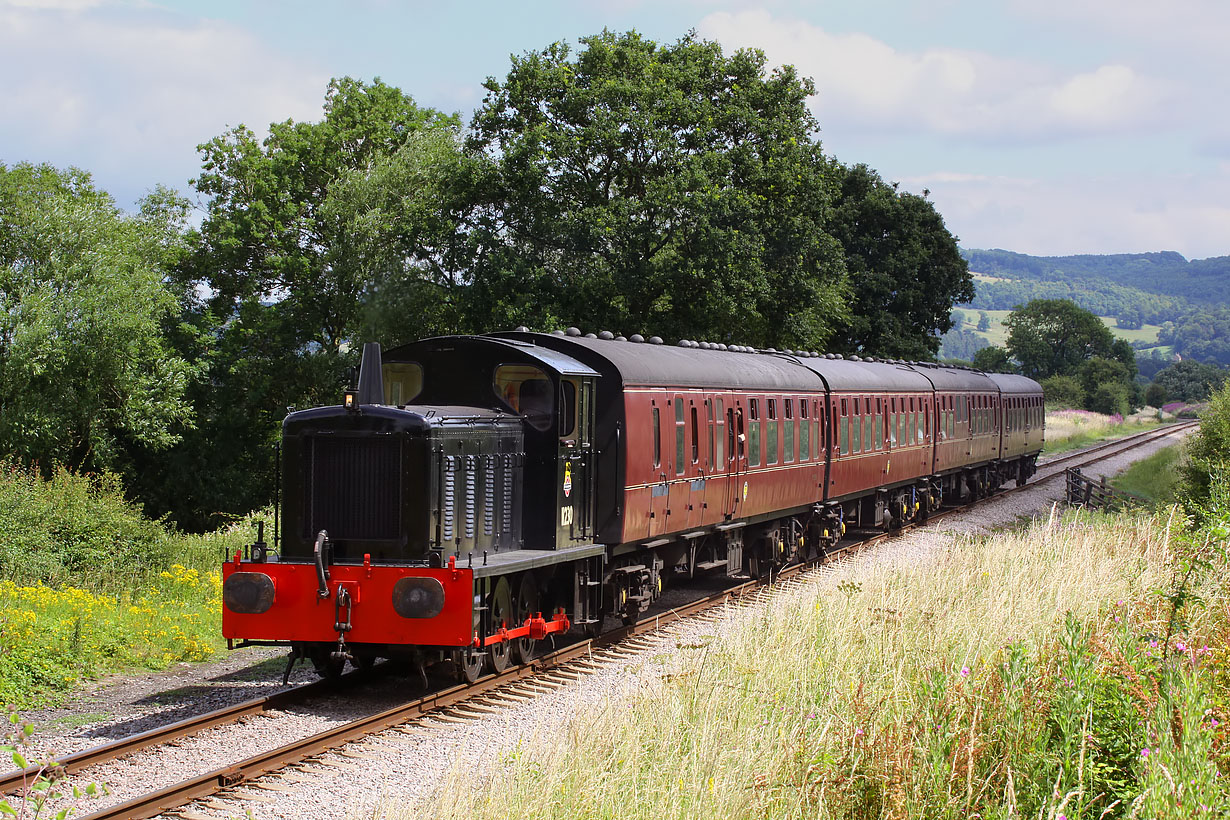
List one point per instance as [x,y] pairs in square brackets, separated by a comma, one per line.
[371,378]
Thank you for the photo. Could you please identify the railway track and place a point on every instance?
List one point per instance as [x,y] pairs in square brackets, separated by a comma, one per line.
[552,669]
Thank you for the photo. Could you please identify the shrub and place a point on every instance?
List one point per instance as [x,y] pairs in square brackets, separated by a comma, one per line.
[1208,453]
[1110,398]
[75,529]
[1063,391]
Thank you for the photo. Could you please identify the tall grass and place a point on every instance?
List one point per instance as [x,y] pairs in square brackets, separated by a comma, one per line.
[1073,429]
[1017,676]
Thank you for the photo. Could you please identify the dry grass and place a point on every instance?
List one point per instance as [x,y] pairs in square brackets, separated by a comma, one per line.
[974,684]
[1071,429]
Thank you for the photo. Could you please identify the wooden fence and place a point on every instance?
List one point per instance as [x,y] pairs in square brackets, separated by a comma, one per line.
[1095,493]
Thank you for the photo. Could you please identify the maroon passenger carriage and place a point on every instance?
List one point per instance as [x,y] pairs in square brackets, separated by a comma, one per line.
[480,493]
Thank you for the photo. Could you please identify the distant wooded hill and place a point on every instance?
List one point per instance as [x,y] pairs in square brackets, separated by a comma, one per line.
[1188,299]
[1161,286]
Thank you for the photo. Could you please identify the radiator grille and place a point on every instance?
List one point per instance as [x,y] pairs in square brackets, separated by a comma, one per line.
[353,487]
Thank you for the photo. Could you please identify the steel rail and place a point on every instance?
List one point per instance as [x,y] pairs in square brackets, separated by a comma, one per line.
[203,785]
[14,780]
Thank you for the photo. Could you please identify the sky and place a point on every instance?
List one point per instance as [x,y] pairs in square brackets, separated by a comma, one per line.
[1047,127]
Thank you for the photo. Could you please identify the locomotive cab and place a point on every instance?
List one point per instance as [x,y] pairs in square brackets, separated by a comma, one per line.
[406,513]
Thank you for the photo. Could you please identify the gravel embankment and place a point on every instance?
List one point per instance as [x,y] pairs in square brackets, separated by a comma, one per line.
[399,767]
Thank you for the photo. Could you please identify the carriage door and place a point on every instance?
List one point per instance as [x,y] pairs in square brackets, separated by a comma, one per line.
[575,478]
[735,456]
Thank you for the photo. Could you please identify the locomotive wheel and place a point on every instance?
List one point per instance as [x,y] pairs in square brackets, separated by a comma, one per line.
[502,614]
[469,664]
[526,607]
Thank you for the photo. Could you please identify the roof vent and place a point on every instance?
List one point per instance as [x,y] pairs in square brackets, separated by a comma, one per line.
[522,329]
[636,337]
[704,345]
[655,340]
[621,338]
[557,333]
[721,346]
[590,336]
[606,335]
[574,331]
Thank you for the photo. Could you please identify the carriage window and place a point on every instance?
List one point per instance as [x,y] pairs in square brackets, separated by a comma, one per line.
[771,437]
[820,435]
[845,429]
[526,390]
[712,434]
[695,438]
[657,438]
[804,432]
[879,431]
[868,427]
[789,428]
[403,381]
[679,435]
[730,434]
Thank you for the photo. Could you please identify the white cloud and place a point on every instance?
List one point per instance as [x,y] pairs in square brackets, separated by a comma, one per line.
[124,87]
[1070,215]
[864,84]
[1187,24]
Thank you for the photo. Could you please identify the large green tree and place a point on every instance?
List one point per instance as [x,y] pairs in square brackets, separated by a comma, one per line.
[86,373]
[275,233]
[668,189]
[301,232]
[905,268]
[1055,337]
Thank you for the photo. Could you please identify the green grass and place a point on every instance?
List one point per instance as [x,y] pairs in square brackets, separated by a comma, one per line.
[1154,478]
[998,334]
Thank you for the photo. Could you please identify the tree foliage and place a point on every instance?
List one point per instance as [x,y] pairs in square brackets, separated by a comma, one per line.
[1202,334]
[1052,337]
[85,371]
[994,359]
[905,267]
[1208,452]
[301,232]
[655,188]
[1190,380]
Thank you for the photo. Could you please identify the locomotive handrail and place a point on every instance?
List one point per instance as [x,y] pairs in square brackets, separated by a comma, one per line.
[322,573]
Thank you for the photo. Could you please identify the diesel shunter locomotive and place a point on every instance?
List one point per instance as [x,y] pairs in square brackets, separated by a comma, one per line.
[477,494]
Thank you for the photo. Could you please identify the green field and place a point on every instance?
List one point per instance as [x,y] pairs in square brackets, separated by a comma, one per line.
[998,334]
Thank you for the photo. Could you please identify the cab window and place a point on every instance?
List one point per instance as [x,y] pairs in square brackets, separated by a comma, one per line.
[567,408]
[403,381]
[527,390]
